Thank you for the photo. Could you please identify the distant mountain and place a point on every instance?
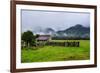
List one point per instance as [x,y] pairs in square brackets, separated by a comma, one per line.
[76,31]
[45,31]
[49,30]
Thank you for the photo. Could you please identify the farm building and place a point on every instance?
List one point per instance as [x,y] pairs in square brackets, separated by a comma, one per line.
[43,39]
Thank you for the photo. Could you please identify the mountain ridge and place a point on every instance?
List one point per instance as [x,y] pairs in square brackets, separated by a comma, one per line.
[75,31]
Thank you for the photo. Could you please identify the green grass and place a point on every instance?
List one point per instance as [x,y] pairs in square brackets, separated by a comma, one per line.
[56,53]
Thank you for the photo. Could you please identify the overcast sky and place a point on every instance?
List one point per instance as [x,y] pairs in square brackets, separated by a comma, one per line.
[36,19]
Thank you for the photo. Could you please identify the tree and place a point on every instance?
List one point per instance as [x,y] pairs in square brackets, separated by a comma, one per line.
[28,37]
[37,35]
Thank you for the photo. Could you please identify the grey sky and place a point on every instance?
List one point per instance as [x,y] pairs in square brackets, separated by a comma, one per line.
[33,20]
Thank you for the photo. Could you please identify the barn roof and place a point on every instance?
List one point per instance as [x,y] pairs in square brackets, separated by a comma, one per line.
[43,37]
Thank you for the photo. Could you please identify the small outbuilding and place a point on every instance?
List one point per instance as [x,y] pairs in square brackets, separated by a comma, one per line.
[43,39]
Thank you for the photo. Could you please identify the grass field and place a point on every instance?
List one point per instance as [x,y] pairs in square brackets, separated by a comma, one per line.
[56,53]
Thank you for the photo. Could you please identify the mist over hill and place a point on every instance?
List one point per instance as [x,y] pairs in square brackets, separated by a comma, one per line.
[77,31]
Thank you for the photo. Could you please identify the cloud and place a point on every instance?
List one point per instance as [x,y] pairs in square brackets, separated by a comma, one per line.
[31,19]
